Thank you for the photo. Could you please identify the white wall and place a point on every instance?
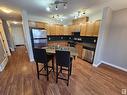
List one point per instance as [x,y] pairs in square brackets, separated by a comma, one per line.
[8,34]
[96,16]
[111,45]
[115,48]
[12,40]
[102,37]
[18,34]
[27,35]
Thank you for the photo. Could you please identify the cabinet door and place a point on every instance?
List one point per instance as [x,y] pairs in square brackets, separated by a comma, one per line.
[47,29]
[70,29]
[32,24]
[40,25]
[79,49]
[77,28]
[90,29]
[96,28]
[83,29]
[52,29]
[66,30]
[61,30]
[57,30]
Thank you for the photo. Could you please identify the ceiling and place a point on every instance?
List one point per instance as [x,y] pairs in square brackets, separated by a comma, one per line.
[38,7]
[14,16]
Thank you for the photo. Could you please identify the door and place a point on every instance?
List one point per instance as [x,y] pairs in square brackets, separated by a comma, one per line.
[18,35]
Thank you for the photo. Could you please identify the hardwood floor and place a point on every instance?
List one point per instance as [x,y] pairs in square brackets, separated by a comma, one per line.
[19,78]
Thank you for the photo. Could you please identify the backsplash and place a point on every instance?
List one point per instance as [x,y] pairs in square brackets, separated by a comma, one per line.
[84,39]
[62,37]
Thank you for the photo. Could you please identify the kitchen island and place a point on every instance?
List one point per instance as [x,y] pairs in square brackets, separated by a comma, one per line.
[85,46]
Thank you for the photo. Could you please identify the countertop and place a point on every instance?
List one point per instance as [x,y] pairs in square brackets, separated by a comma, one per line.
[89,46]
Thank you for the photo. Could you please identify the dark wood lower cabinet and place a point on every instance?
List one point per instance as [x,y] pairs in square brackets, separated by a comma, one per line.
[79,48]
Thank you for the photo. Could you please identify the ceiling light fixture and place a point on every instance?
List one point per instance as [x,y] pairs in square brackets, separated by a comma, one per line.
[6,10]
[58,3]
[58,17]
[65,6]
[79,14]
[56,7]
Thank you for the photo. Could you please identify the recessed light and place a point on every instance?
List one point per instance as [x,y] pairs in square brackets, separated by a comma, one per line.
[6,10]
[56,7]
[65,6]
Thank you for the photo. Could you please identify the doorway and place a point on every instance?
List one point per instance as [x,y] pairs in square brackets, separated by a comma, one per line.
[18,34]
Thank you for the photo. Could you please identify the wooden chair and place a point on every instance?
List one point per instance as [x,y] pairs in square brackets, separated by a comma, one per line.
[63,59]
[40,56]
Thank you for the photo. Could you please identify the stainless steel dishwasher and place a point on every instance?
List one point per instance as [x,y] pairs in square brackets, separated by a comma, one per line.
[88,55]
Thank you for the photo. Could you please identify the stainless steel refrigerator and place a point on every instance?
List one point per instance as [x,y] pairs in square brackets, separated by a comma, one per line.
[38,37]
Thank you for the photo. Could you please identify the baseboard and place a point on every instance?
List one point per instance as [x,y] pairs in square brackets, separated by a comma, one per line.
[96,65]
[115,66]
[12,49]
[3,64]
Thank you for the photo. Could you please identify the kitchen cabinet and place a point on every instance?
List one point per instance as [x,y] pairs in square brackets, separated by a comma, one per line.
[89,29]
[80,20]
[40,24]
[36,24]
[73,28]
[83,29]
[47,28]
[59,30]
[96,28]
[65,30]
[77,28]
[79,48]
[78,25]
[92,28]
[52,29]
[32,24]
[70,28]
